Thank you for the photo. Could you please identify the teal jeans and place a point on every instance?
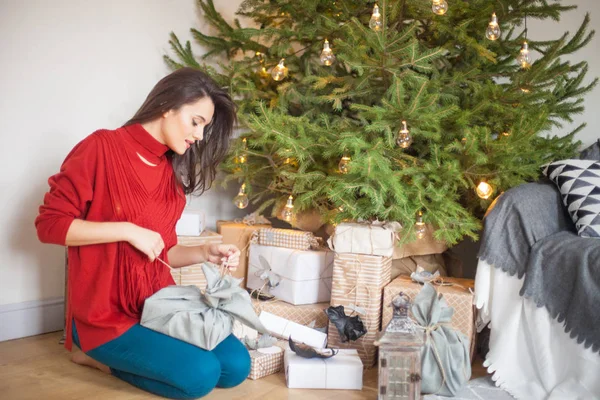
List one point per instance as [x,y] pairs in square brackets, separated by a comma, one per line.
[169,367]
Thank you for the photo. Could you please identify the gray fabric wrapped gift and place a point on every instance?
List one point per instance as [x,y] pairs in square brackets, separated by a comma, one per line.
[202,319]
[446,365]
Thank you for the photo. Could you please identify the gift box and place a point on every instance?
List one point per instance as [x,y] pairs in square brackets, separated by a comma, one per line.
[408,265]
[369,239]
[358,282]
[284,329]
[191,223]
[300,276]
[205,237]
[420,247]
[342,371]
[288,238]
[239,234]
[458,296]
[311,315]
[267,361]
[193,274]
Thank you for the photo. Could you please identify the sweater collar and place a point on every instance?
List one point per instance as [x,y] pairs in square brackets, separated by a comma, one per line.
[147,141]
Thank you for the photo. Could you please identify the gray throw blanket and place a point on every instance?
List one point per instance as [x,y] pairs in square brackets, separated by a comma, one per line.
[528,232]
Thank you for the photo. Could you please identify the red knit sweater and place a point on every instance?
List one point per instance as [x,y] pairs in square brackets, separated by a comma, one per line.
[103,179]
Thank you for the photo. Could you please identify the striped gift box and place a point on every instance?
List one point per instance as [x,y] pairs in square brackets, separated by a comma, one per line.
[358,281]
[288,238]
[193,274]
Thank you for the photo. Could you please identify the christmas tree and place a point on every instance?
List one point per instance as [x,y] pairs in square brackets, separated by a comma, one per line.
[385,111]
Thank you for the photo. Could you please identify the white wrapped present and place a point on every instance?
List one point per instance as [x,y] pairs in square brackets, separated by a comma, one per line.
[191,223]
[284,329]
[342,371]
[361,238]
[295,276]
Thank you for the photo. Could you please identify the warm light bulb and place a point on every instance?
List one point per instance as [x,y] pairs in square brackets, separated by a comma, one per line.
[523,57]
[280,71]
[344,165]
[327,57]
[420,228]
[288,211]
[493,30]
[241,159]
[376,23]
[525,89]
[404,139]
[261,57]
[484,190]
[262,72]
[439,7]
[505,134]
[241,200]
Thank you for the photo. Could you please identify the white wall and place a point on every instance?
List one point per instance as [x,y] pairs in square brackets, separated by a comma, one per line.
[72,66]
[547,30]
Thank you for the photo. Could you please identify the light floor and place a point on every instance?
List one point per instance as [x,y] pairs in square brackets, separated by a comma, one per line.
[39,368]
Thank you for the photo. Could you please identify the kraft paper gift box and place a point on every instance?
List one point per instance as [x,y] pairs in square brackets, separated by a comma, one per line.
[420,247]
[368,239]
[284,329]
[239,234]
[193,274]
[304,275]
[191,223]
[458,297]
[342,371]
[311,315]
[289,238]
[358,282]
[267,361]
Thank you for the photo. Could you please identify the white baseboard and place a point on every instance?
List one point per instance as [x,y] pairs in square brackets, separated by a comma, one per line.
[31,318]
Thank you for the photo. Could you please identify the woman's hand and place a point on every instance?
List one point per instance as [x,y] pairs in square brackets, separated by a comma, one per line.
[148,242]
[224,253]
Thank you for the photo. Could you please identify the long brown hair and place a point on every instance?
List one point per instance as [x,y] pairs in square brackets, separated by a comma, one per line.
[197,168]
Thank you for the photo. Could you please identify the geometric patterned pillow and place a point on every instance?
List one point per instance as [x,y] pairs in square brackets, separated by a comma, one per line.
[579,183]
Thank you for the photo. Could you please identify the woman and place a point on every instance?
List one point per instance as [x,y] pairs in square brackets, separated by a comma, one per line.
[115,203]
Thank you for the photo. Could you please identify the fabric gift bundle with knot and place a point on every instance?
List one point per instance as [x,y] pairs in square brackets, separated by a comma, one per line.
[202,318]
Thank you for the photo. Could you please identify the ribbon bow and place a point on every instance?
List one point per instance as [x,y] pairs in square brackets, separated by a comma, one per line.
[267,275]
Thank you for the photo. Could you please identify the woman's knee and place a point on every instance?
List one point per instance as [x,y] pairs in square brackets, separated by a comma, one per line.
[235,369]
[200,379]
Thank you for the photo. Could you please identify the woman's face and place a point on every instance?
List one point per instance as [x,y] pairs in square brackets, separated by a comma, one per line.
[182,127]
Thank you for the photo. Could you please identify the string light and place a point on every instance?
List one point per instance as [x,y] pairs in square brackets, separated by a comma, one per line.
[404,139]
[241,159]
[376,23]
[288,211]
[241,200]
[261,57]
[344,165]
[523,57]
[420,228]
[484,190]
[439,7]
[493,30]
[327,57]
[525,89]
[280,71]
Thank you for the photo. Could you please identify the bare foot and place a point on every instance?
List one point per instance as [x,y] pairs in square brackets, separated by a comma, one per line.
[83,359]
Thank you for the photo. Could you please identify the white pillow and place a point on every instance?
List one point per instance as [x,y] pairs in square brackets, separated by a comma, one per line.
[579,183]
